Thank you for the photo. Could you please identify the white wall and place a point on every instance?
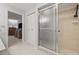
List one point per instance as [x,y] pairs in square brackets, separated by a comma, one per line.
[31,25]
[3,22]
[4,8]
[32,28]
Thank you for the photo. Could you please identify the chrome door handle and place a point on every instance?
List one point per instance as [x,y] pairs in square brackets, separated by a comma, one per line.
[58,30]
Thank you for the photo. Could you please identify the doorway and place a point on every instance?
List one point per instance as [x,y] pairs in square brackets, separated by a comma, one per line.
[14,28]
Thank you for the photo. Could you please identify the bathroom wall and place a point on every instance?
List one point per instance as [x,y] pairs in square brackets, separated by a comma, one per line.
[69,31]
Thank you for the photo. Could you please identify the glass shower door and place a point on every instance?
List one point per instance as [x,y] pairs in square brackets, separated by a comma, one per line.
[47,28]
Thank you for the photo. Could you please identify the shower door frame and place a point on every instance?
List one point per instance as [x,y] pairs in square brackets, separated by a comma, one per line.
[56,27]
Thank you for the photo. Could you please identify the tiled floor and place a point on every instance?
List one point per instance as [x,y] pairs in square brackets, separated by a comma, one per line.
[19,48]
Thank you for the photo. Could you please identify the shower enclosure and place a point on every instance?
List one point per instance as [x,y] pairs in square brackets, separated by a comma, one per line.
[47,27]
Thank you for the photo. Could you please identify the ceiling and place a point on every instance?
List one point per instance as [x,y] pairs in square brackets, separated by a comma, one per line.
[12,15]
[65,6]
[28,6]
[25,6]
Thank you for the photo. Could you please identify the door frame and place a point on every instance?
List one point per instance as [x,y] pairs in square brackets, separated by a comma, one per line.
[22,14]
